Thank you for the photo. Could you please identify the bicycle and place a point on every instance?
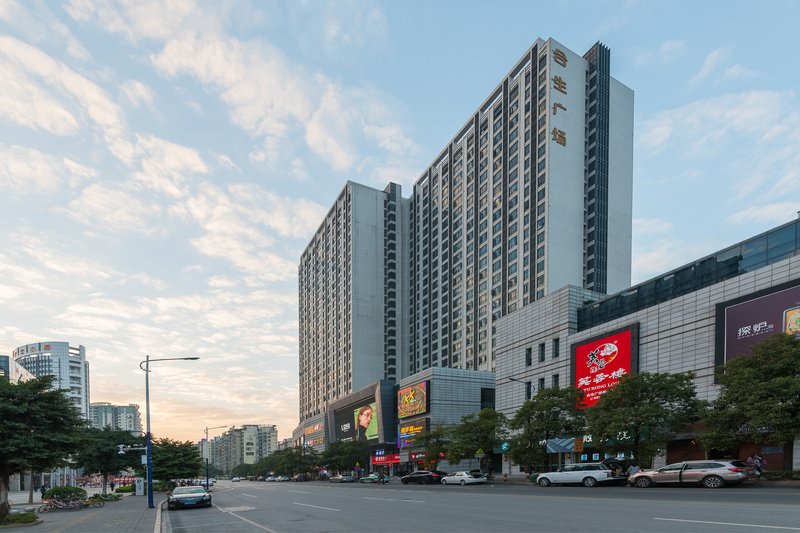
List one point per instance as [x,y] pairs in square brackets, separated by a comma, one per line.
[56,505]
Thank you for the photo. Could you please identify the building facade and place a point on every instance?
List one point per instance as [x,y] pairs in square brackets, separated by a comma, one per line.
[243,445]
[352,297]
[5,368]
[67,364]
[119,417]
[693,318]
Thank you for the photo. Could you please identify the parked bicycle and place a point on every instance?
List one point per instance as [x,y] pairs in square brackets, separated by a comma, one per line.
[58,505]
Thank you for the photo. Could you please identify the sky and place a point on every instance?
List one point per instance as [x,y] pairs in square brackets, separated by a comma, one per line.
[163,164]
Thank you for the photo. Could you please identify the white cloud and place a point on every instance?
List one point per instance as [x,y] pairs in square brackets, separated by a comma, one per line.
[776,213]
[651,226]
[137,93]
[737,72]
[27,171]
[328,130]
[167,167]
[104,206]
[290,217]
[667,52]
[710,64]
[24,102]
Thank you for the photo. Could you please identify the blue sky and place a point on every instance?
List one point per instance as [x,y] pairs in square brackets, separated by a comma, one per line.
[163,164]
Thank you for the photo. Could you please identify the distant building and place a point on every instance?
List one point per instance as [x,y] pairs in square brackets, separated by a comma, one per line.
[5,368]
[244,445]
[67,364]
[119,417]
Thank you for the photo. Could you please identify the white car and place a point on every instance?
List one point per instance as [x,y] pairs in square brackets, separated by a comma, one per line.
[586,474]
[236,479]
[463,478]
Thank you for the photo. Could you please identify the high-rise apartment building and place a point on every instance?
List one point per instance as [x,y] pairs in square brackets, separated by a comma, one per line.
[532,194]
[245,445]
[67,364]
[5,368]
[352,295]
[119,417]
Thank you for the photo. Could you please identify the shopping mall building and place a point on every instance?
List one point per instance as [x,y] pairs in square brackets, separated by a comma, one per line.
[693,318]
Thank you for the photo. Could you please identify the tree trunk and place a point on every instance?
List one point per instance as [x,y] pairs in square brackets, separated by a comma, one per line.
[30,487]
[105,482]
[4,505]
[788,455]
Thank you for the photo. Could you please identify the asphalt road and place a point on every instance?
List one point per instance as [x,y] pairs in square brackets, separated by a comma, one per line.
[322,507]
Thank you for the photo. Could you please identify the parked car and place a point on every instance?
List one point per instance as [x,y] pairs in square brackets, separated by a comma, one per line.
[236,479]
[342,478]
[191,496]
[300,477]
[711,474]
[463,478]
[282,478]
[423,476]
[587,474]
[271,478]
[375,478]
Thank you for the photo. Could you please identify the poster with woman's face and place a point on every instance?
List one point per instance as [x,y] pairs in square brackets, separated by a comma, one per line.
[366,422]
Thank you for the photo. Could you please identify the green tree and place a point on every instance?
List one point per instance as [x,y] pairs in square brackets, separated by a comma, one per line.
[759,399]
[175,460]
[482,431]
[435,443]
[643,412]
[551,413]
[98,452]
[40,428]
[344,455]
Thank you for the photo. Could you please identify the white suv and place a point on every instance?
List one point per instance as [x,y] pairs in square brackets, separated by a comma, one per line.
[587,474]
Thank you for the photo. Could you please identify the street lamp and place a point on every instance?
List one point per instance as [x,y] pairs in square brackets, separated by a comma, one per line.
[207,450]
[148,436]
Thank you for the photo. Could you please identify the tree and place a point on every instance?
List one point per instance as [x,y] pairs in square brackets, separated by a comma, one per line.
[482,431]
[759,399]
[175,460]
[435,443]
[643,412]
[98,452]
[40,428]
[551,413]
[344,455]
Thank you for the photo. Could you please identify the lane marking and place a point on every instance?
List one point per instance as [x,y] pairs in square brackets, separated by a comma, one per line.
[253,523]
[205,525]
[298,492]
[235,509]
[249,495]
[317,507]
[393,499]
[411,501]
[727,524]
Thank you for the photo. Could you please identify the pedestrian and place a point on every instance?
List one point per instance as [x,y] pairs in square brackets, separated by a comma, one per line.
[751,461]
[761,463]
[111,485]
[42,490]
[634,468]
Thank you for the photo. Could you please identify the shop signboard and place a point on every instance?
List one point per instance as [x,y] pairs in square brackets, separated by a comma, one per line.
[744,322]
[407,433]
[598,363]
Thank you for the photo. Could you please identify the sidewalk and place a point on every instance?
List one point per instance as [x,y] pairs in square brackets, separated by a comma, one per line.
[128,515]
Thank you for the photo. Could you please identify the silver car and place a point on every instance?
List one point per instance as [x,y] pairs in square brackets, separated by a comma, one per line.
[709,473]
[586,474]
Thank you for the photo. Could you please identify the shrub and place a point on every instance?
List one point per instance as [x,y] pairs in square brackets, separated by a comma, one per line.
[124,489]
[776,475]
[64,493]
[21,518]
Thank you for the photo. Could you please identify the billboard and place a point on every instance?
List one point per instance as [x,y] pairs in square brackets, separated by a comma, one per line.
[750,320]
[412,400]
[359,422]
[408,433]
[597,364]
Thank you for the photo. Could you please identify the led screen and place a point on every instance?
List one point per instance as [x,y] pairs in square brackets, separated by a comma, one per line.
[412,400]
[408,433]
[599,363]
[357,423]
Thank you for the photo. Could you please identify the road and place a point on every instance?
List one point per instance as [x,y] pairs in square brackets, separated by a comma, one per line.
[254,507]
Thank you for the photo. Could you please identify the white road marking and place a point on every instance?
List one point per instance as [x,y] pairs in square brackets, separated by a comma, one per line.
[393,499]
[298,492]
[411,501]
[253,523]
[727,524]
[317,507]
[236,509]
[249,495]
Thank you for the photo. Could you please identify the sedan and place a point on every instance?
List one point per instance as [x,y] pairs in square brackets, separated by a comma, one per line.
[586,474]
[375,478]
[710,474]
[191,496]
[342,478]
[423,476]
[463,478]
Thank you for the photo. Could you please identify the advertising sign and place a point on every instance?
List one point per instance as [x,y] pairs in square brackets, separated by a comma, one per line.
[357,423]
[600,362]
[310,430]
[752,319]
[407,433]
[386,459]
[412,400]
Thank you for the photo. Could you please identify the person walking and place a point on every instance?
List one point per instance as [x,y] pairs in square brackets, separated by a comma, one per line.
[42,490]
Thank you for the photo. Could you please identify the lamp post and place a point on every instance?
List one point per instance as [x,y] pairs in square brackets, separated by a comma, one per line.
[207,450]
[148,437]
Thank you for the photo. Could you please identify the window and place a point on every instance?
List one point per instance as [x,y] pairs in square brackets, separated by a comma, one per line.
[555,381]
[541,384]
[541,352]
[556,348]
[528,390]
[528,356]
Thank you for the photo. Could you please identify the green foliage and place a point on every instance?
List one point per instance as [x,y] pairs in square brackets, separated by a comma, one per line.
[553,412]
[65,493]
[435,442]
[287,462]
[482,431]
[175,460]
[98,452]
[21,518]
[40,429]
[343,456]
[124,489]
[771,475]
[643,412]
[759,399]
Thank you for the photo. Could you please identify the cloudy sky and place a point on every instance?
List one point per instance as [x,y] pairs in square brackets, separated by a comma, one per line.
[164,163]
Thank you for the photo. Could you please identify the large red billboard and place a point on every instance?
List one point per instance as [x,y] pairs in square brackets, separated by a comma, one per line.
[600,362]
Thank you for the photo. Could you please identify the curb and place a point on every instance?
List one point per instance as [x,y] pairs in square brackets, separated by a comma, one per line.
[30,524]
